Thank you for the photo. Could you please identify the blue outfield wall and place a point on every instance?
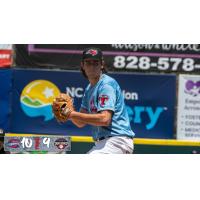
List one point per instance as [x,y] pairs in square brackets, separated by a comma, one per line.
[150,100]
[5,103]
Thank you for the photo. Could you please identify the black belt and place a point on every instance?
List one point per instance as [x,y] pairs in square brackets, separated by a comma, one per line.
[103,138]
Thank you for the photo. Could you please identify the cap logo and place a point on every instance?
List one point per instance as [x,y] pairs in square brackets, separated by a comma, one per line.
[93,52]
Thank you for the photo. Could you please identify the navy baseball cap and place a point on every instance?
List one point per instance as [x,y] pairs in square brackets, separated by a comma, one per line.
[92,53]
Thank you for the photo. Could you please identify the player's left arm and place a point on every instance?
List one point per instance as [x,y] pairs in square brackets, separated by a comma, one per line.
[79,123]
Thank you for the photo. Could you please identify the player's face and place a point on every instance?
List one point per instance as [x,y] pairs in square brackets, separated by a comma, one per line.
[92,68]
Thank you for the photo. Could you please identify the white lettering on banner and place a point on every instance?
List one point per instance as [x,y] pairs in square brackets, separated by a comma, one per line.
[164,47]
[78,92]
[75,92]
[130,95]
[188,117]
[161,64]
[4,56]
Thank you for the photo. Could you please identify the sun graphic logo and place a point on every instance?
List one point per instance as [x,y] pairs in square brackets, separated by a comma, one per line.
[37,97]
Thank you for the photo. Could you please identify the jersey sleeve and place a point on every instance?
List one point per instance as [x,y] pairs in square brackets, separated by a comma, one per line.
[106,98]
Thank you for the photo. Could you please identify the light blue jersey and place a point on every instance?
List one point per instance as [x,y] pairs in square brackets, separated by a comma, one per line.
[107,95]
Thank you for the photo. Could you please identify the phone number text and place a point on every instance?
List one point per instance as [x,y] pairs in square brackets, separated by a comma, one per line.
[162,63]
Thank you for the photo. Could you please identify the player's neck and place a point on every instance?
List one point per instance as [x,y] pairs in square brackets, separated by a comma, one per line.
[94,81]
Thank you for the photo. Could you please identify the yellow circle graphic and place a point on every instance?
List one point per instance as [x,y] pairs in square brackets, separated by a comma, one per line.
[39,92]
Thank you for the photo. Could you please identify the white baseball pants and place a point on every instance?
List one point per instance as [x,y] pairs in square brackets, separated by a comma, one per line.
[113,145]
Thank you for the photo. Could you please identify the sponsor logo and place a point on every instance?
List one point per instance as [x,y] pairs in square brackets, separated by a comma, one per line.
[61,143]
[138,114]
[192,88]
[37,97]
[13,143]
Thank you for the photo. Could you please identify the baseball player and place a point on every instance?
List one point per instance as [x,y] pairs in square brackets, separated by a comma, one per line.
[102,107]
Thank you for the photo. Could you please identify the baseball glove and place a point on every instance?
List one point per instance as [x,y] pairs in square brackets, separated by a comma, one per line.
[62,107]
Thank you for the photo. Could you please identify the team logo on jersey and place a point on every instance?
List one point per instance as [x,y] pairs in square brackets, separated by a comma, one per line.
[103,99]
[92,106]
[93,52]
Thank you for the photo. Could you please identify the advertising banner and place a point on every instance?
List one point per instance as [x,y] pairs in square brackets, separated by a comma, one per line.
[33,93]
[188,116]
[150,101]
[5,55]
[118,57]
[5,91]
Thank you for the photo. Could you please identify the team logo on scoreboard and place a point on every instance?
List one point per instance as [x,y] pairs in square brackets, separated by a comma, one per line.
[61,143]
[13,143]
